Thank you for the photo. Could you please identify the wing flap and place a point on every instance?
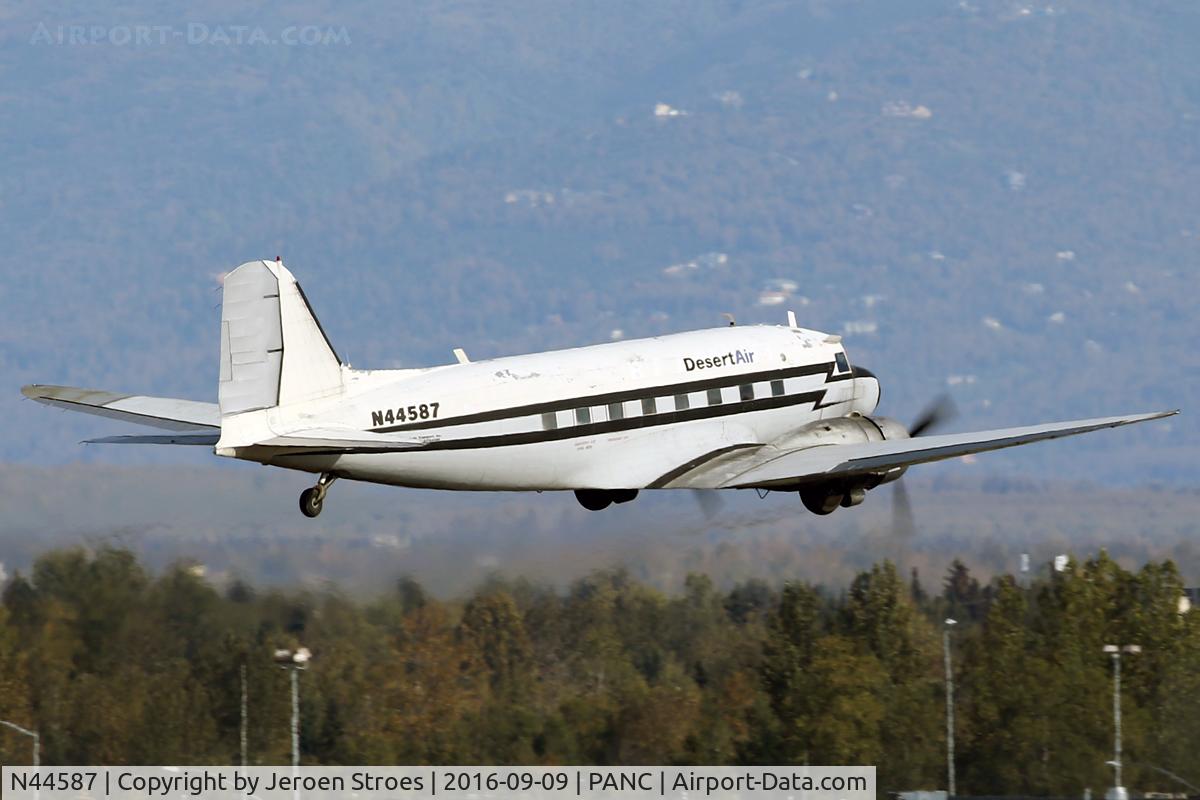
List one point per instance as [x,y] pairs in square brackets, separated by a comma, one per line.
[827,461]
[157,412]
[336,440]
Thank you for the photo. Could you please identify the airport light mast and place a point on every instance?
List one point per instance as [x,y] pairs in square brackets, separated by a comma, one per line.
[294,661]
[1118,791]
[242,727]
[950,787]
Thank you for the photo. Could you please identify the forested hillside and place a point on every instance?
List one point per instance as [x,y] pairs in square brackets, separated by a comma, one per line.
[112,664]
[994,198]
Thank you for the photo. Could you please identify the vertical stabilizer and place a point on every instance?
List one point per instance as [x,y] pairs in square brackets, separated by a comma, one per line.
[273,350]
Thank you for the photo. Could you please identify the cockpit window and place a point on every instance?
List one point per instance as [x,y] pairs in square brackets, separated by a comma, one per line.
[842,364]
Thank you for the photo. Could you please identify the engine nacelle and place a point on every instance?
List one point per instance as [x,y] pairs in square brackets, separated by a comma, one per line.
[824,498]
[854,429]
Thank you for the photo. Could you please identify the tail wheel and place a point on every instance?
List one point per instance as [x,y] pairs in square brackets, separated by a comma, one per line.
[821,501]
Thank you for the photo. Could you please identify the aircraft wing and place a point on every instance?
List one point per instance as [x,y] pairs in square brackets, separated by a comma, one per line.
[157,412]
[770,467]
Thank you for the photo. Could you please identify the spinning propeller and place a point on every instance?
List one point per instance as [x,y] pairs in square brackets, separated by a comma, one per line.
[936,414]
[940,411]
[710,501]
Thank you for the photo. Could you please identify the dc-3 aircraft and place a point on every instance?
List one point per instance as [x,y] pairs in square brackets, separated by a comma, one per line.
[777,408]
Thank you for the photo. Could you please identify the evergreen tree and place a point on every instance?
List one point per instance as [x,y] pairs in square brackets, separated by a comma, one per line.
[114,665]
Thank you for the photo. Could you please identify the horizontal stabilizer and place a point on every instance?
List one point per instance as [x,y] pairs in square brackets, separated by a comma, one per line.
[157,412]
[181,438]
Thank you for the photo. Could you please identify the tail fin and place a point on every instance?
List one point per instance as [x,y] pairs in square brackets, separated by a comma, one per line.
[273,350]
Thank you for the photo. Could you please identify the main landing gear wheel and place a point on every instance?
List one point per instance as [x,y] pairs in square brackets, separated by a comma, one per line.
[820,501]
[593,499]
[600,499]
[312,499]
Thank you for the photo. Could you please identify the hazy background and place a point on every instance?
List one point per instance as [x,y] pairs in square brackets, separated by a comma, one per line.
[994,199]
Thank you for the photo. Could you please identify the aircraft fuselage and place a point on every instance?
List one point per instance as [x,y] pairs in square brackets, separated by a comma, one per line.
[545,420]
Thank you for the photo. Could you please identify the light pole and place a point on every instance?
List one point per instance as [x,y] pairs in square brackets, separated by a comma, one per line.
[37,750]
[950,623]
[294,661]
[1117,792]
[243,730]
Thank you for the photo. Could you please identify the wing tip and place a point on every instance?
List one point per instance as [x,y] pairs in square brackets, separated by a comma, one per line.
[1147,416]
[45,392]
[54,393]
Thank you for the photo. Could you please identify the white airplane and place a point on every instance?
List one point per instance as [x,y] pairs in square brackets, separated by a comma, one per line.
[764,407]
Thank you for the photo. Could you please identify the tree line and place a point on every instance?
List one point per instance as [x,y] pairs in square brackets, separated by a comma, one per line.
[115,665]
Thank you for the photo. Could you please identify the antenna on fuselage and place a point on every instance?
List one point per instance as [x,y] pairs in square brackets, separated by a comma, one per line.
[792,320]
[729,317]
[461,355]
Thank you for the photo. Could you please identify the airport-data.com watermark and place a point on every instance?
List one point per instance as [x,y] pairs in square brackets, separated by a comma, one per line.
[191,33]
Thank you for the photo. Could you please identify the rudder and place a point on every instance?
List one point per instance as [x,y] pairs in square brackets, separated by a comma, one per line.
[273,350]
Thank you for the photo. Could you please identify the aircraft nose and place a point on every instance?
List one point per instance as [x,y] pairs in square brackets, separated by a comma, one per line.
[863,372]
[871,396]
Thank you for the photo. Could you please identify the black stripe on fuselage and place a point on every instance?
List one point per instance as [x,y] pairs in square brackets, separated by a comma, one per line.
[572,403]
[586,431]
[628,423]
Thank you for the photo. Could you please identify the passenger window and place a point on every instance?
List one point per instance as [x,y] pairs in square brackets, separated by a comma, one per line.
[842,364]
[746,390]
[549,420]
[649,406]
[681,402]
[714,397]
[776,388]
[616,411]
[583,416]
